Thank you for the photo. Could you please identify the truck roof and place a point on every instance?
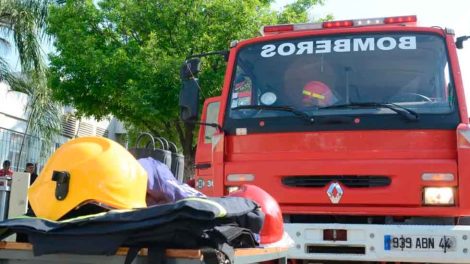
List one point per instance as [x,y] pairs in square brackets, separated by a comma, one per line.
[353,26]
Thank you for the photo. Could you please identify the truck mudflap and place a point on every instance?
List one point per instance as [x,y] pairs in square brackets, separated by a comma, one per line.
[395,243]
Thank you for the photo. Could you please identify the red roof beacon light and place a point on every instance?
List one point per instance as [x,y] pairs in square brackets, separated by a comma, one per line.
[338,24]
[398,20]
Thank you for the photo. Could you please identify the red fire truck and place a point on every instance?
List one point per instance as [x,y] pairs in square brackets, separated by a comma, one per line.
[359,129]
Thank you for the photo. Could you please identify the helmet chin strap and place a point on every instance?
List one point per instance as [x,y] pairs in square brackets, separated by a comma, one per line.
[62,179]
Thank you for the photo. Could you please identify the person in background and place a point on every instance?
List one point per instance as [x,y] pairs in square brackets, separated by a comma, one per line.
[6,170]
[31,169]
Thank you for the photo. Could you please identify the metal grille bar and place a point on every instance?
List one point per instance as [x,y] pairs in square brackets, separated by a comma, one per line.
[353,181]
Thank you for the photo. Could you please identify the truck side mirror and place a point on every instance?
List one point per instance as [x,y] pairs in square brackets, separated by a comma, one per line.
[460,40]
[189,94]
[190,68]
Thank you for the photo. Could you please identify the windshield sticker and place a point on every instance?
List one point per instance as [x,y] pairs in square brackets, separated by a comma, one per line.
[234,103]
[339,45]
[242,93]
[242,98]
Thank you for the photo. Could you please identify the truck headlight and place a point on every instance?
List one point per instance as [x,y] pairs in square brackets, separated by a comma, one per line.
[438,196]
[231,189]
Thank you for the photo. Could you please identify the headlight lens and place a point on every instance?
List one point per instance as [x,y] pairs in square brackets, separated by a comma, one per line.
[231,189]
[438,196]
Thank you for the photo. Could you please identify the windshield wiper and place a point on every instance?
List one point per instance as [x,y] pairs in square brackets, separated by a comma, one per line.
[290,109]
[405,112]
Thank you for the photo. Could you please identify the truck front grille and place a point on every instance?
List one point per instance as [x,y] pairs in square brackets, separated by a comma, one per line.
[352,181]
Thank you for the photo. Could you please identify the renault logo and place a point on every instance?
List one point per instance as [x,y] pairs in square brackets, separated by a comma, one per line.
[335,192]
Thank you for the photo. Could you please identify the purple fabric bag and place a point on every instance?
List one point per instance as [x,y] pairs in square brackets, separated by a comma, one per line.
[162,187]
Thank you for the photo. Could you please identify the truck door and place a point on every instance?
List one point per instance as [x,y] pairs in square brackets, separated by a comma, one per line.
[204,145]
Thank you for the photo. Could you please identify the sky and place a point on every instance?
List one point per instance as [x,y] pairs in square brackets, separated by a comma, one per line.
[454,14]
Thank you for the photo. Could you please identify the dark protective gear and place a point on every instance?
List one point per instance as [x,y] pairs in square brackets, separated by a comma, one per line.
[220,223]
[273,226]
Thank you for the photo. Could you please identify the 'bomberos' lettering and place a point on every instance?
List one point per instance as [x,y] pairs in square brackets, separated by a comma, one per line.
[339,45]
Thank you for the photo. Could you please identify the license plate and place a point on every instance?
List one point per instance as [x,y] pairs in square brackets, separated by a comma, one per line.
[419,243]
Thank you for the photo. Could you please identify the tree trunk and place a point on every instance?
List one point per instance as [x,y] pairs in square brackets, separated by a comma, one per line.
[186,137]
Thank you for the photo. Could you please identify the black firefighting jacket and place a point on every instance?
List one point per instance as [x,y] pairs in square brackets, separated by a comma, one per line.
[193,223]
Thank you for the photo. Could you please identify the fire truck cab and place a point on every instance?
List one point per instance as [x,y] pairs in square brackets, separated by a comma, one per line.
[359,129]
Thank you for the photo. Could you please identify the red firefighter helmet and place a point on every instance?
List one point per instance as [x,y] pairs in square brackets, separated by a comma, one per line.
[273,226]
[316,93]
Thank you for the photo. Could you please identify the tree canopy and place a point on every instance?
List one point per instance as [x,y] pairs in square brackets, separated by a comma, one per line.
[122,57]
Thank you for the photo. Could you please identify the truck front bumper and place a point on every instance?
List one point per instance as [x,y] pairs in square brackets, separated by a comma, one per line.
[391,243]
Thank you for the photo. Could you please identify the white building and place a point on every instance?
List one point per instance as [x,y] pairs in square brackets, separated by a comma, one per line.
[13,122]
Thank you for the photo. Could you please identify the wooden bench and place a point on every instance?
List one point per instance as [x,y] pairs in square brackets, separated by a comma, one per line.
[12,252]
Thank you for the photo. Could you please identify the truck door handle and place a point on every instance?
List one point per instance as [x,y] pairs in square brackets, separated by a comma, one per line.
[202,166]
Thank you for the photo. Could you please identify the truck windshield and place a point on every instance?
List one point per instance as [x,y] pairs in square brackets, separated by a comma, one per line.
[314,74]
